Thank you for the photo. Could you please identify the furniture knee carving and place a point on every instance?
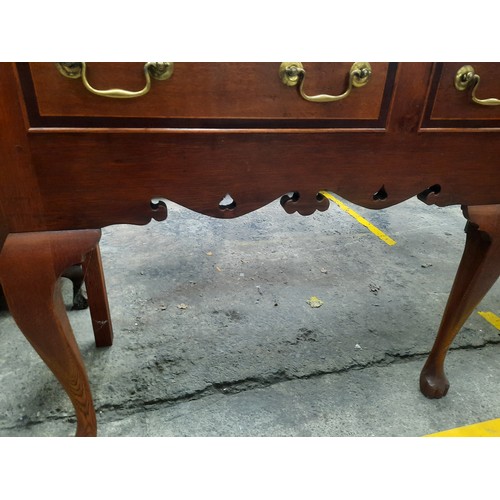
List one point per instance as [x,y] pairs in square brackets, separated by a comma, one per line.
[30,267]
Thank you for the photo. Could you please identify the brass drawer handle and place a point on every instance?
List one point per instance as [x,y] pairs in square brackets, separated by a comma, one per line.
[466,78]
[157,70]
[293,73]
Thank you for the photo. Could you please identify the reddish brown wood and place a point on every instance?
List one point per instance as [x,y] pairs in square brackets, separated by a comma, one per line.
[30,265]
[220,90]
[98,298]
[19,196]
[4,230]
[451,104]
[477,273]
[70,160]
[3,236]
[412,81]
[123,172]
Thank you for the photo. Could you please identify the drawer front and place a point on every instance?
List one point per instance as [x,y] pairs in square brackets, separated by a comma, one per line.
[449,107]
[205,95]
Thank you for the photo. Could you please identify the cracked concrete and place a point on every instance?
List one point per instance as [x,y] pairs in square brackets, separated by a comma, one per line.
[214,335]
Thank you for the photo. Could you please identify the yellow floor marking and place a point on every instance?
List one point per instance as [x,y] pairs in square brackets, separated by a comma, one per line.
[361,220]
[489,428]
[491,318]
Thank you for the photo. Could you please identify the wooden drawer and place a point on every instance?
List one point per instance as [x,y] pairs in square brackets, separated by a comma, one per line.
[448,107]
[205,95]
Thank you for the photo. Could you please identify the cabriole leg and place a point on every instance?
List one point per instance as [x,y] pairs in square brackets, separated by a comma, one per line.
[30,266]
[477,273]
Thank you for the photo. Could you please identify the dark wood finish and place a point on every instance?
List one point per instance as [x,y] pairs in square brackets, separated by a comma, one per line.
[448,107]
[204,90]
[73,161]
[4,230]
[30,266]
[123,172]
[477,273]
[19,196]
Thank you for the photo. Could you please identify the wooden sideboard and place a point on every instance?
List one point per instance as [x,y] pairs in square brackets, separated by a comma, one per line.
[85,146]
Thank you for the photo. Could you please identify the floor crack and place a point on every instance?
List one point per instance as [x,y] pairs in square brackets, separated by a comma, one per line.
[232,387]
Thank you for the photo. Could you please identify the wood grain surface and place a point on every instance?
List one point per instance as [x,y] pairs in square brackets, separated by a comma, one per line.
[72,162]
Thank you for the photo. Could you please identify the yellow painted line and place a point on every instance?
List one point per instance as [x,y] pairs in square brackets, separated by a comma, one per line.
[489,428]
[361,220]
[491,318]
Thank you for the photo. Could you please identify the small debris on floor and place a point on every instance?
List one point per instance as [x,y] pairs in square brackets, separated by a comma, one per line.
[357,346]
[374,288]
[324,271]
[182,306]
[425,265]
[315,302]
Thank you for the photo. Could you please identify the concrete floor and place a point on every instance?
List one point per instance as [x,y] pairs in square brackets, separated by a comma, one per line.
[214,335]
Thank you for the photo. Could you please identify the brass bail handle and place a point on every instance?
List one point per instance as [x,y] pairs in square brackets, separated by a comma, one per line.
[157,70]
[467,78]
[293,73]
